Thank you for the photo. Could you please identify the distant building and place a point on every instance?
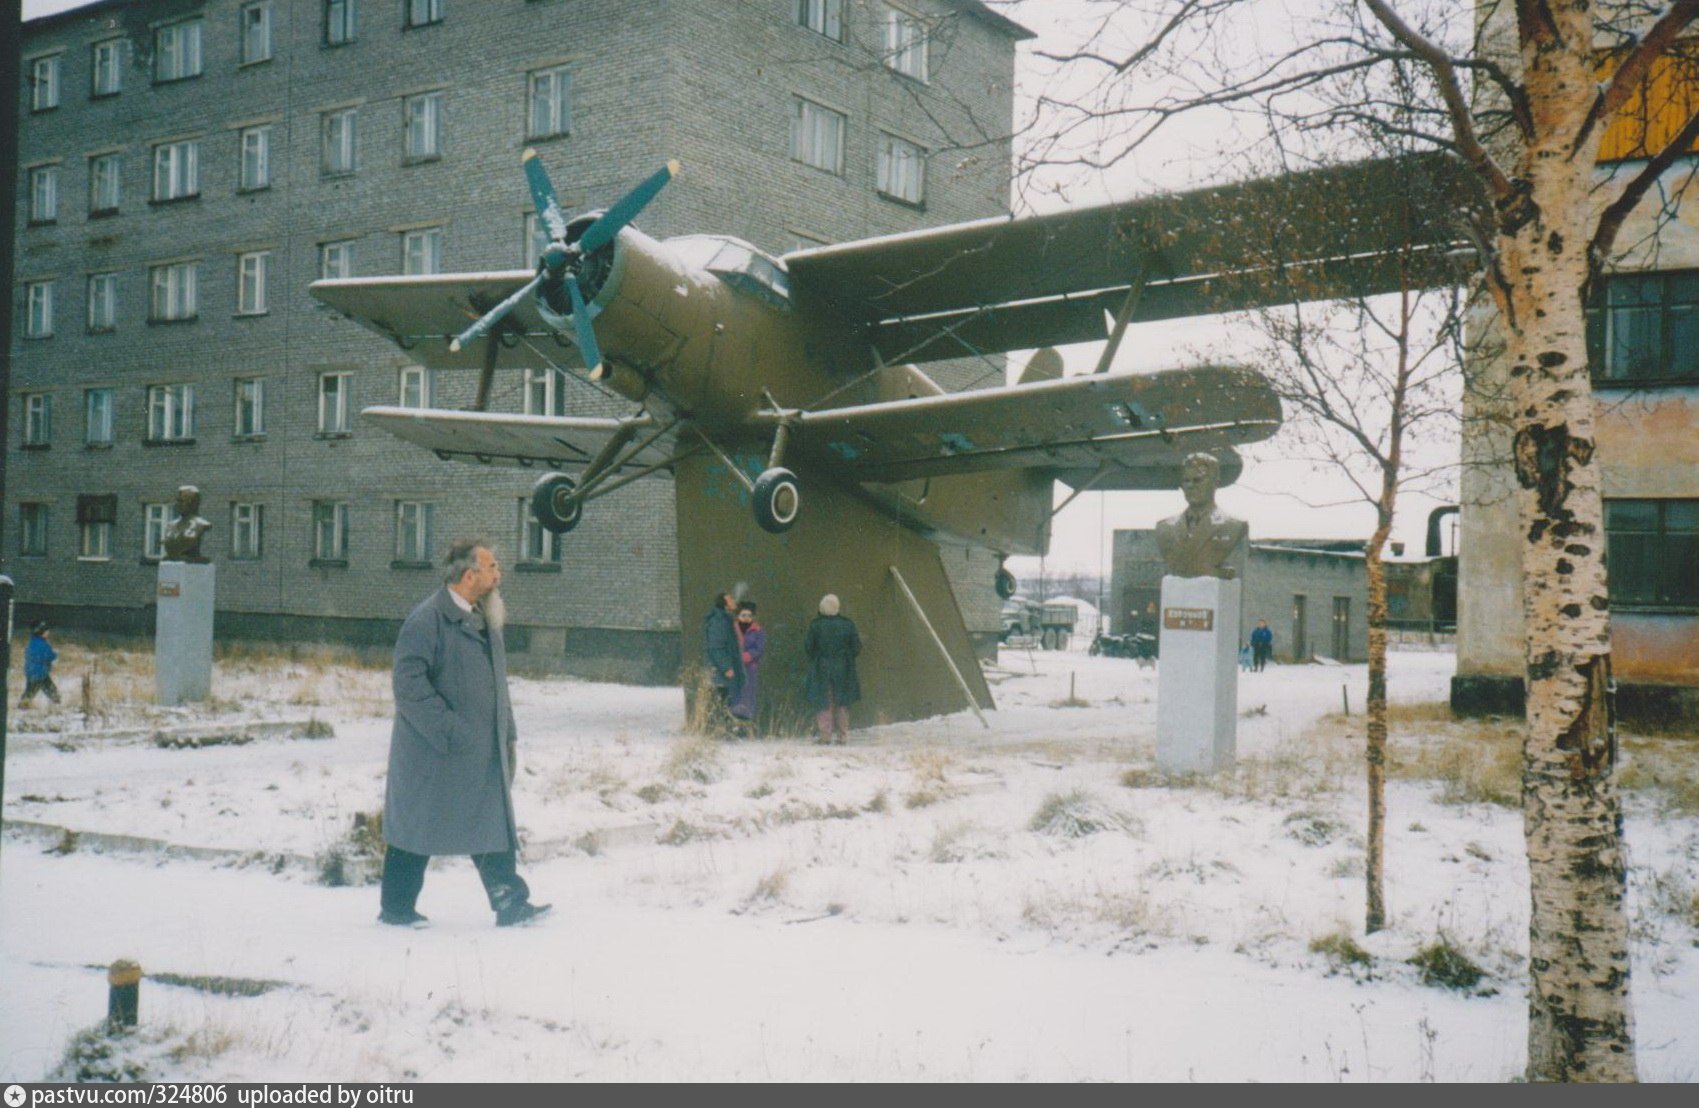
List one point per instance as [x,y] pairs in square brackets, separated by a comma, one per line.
[186,169]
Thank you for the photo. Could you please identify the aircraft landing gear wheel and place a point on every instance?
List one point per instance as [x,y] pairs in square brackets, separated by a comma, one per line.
[555,504]
[1004,582]
[777,499]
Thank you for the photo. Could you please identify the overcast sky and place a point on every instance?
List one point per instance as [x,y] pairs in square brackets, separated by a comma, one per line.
[1280,496]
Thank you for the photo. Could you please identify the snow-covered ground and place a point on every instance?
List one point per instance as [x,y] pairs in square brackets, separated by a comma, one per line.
[935,901]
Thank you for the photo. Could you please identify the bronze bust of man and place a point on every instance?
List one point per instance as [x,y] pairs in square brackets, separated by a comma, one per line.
[183,534]
[1201,541]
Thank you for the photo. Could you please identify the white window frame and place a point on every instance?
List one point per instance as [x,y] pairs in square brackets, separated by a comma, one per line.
[253,271]
[413,521]
[44,83]
[254,146]
[532,240]
[537,544]
[901,172]
[102,302]
[44,194]
[423,13]
[171,413]
[254,32]
[341,22]
[341,148]
[414,380]
[335,514]
[421,127]
[544,393]
[177,170]
[100,423]
[155,519]
[105,183]
[247,531]
[38,310]
[421,250]
[817,135]
[548,102]
[94,542]
[903,40]
[172,291]
[177,50]
[823,17]
[106,68]
[336,259]
[38,418]
[248,398]
[334,409]
[34,518]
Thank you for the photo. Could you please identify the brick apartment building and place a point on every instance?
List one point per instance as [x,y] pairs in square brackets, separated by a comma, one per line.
[187,167]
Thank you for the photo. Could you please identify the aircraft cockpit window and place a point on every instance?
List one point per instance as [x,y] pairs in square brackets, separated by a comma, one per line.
[747,269]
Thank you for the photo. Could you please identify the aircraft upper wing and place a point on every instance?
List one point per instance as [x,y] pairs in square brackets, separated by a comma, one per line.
[551,442]
[424,312]
[1136,428]
[1006,283]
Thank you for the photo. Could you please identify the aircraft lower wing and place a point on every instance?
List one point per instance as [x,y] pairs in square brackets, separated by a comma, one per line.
[550,442]
[1135,428]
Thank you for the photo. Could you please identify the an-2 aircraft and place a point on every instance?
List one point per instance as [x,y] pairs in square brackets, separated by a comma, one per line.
[809,454]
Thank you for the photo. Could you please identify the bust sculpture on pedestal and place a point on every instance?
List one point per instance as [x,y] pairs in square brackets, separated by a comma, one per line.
[183,534]
[1202,541]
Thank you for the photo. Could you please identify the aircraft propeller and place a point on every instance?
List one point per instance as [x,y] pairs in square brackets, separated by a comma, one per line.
[561,260]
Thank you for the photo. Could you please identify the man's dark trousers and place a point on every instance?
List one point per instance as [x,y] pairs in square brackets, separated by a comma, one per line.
[404,876]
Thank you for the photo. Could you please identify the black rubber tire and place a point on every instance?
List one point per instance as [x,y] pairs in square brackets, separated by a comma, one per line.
[554,503]
[1005,583]
[776,500]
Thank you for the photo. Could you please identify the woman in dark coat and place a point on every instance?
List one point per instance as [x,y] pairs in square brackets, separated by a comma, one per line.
[754,641]
[831,647]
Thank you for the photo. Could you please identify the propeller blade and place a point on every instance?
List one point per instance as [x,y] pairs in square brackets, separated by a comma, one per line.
[495,315]
[543,195]
[604,229]
[585,334]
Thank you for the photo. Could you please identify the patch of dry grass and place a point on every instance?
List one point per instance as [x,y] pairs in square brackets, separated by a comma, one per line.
[1473,761]
[1665,769]
[694,757]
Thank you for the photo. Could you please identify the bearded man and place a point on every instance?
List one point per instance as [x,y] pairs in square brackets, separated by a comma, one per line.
[451,753]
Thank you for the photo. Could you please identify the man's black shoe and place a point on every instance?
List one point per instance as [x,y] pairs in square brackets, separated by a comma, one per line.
[518,915]
[409,918]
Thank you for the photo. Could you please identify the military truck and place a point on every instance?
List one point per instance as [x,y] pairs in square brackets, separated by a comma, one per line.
[1028,623]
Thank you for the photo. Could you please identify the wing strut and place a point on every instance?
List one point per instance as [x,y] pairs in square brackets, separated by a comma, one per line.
[1122,317]
[961,681]
[492,349]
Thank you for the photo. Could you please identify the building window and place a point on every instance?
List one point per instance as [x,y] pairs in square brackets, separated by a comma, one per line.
[38,419]
[422,134]
[330,530]
[902,170]
[107,68]
[256,33]
[543,393]
[173,292]
[256,159]
[177,51]
[339,141]
[336,259]
[1653,550]
[1644,329]
[904,43]
[176,170]
[413,531]
[250,408]
[537,544]
[550,96]
[32,530]
[339,22]
[44,84]
[422,13]
[102,302]
[252,271]
[105,174]
[155,518]
[333,403]
[421,251]
[247,531]
[38,317]
[817,136]
[95,517]
[415,387]
[532,241]
[44,194]
[824,17]
[171,413]
[99,425]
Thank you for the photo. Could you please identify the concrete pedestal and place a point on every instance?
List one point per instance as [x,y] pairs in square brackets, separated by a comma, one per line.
[182,638]
[1197,676]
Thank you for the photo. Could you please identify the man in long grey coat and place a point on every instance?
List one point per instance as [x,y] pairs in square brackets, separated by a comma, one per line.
[452,749]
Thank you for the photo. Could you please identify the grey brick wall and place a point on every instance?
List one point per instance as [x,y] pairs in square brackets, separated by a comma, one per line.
[707,81]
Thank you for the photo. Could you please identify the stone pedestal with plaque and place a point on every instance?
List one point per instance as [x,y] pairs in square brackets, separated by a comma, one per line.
[1197,677]
[182,638]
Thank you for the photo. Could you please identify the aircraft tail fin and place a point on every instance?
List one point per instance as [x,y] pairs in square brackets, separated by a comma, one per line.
[1044,365]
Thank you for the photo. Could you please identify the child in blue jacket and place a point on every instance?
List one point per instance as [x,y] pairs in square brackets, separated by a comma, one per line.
[39,657]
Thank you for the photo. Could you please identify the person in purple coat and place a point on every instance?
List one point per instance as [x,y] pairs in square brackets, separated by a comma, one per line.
[753,643]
